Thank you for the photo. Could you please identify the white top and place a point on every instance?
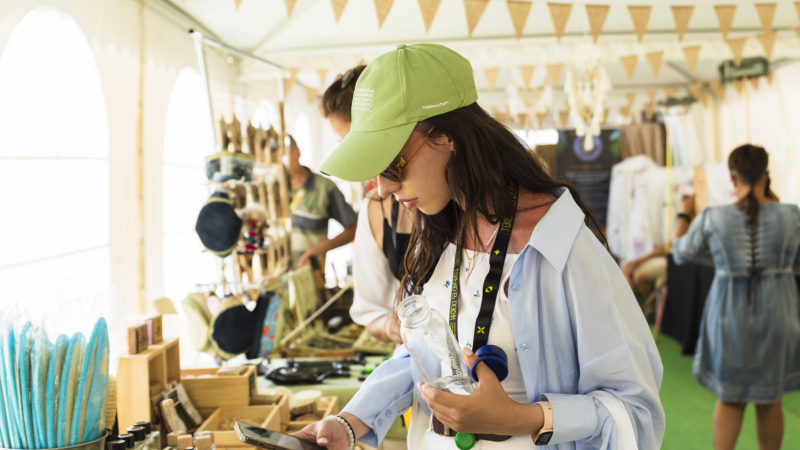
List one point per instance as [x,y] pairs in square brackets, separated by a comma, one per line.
[437,292]
[375,286]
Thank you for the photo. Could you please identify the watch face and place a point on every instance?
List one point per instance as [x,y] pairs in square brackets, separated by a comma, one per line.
[544,438]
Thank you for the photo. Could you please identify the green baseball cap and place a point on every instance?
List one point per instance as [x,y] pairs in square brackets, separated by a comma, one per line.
[395,92]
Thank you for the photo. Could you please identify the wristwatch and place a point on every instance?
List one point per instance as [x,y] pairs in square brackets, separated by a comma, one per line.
[543,436]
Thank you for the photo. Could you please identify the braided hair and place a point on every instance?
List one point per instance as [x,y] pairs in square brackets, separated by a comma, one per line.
[748,163]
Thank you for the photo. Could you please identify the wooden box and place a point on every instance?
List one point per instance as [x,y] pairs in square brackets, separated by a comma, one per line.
[282,404]
[325,407]
[142,377]
[221,421]
[210,391]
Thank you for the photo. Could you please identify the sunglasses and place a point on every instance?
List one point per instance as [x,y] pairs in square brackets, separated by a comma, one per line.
[394,172]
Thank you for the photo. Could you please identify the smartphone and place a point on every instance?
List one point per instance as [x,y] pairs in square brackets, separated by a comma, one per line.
[272,440]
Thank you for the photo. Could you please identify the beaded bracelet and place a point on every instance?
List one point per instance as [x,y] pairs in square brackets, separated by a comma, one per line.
[351,436]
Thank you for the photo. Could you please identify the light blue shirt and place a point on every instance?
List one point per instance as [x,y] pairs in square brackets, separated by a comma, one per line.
[577,328]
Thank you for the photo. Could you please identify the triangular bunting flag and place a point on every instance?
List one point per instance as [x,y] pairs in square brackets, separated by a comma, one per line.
[625,111]
[629,64]
[668,91]
[767,41]
[559,13]
[491,77]
[640,16]
[238,3]
[797,6]
[737,48]
[311,94]
[474,10]
[597,15]
[429,8]
[554,70]
[563,118]
[682,16]
[717,88]
[338,8]
[631,97]
[725,15]
[691,54]
[740,86]
[540,118]
[754,82]
[651,96]
[382,8]
[696,89]
[293,71]
[289,7]
[766,14]
[654,59]
[519,10]
[527,74]
[522,120]
[323,75]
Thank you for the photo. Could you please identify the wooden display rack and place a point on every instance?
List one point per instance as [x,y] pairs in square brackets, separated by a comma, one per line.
[220,421]
[141,376]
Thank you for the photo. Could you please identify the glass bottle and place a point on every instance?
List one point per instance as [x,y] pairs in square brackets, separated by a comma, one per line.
[433,348]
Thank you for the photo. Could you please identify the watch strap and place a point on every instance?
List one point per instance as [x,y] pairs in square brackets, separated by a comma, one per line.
[542,437]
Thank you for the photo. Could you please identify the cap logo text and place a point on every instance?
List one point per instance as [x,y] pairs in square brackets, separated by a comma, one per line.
[438,105]
[363,99]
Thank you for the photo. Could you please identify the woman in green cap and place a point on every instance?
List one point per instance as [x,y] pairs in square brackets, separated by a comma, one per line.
[517,252]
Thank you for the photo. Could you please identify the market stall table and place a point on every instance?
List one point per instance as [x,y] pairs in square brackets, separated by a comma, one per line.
[342,388]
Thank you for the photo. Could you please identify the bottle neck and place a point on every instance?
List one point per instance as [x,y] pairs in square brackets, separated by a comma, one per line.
[414,311]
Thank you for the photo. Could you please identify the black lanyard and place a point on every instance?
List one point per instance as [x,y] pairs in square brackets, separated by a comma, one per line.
[491,284]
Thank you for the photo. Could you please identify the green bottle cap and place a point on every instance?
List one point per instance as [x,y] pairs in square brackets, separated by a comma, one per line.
[465,441]
[367,370]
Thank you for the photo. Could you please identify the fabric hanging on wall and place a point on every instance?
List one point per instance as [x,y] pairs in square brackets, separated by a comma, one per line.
[647,139]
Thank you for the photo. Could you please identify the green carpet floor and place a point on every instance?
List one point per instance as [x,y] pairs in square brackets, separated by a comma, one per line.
[688,407]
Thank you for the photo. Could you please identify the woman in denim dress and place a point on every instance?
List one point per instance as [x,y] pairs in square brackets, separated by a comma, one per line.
[749,345]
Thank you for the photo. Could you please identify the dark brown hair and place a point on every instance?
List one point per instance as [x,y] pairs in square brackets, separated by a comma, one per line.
[338,98]
[487,156]
[748,163]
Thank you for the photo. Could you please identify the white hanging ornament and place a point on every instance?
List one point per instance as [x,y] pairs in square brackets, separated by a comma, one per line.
[587,102]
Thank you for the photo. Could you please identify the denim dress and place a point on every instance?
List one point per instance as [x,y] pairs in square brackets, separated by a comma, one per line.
[749,344]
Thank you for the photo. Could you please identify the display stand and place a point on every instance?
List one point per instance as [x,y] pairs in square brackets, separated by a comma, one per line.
[143,377]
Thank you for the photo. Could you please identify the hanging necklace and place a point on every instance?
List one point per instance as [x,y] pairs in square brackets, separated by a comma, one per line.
[471,256]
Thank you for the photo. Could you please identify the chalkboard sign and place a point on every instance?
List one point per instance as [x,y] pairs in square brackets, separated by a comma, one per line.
[589,170]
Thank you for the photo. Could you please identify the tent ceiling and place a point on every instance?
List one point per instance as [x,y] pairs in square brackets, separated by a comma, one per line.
[311,39]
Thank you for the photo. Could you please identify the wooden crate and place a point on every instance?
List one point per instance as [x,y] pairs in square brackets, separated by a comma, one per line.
[282,404]
[140,376]
[209,391]
[325,407]
[265,416]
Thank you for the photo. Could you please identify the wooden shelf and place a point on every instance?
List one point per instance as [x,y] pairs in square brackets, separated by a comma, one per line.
[141,376]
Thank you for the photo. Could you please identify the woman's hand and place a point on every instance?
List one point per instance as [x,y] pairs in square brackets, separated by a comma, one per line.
[488,410]
[386,328]
[391,329]
[687,205]
[327,433]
